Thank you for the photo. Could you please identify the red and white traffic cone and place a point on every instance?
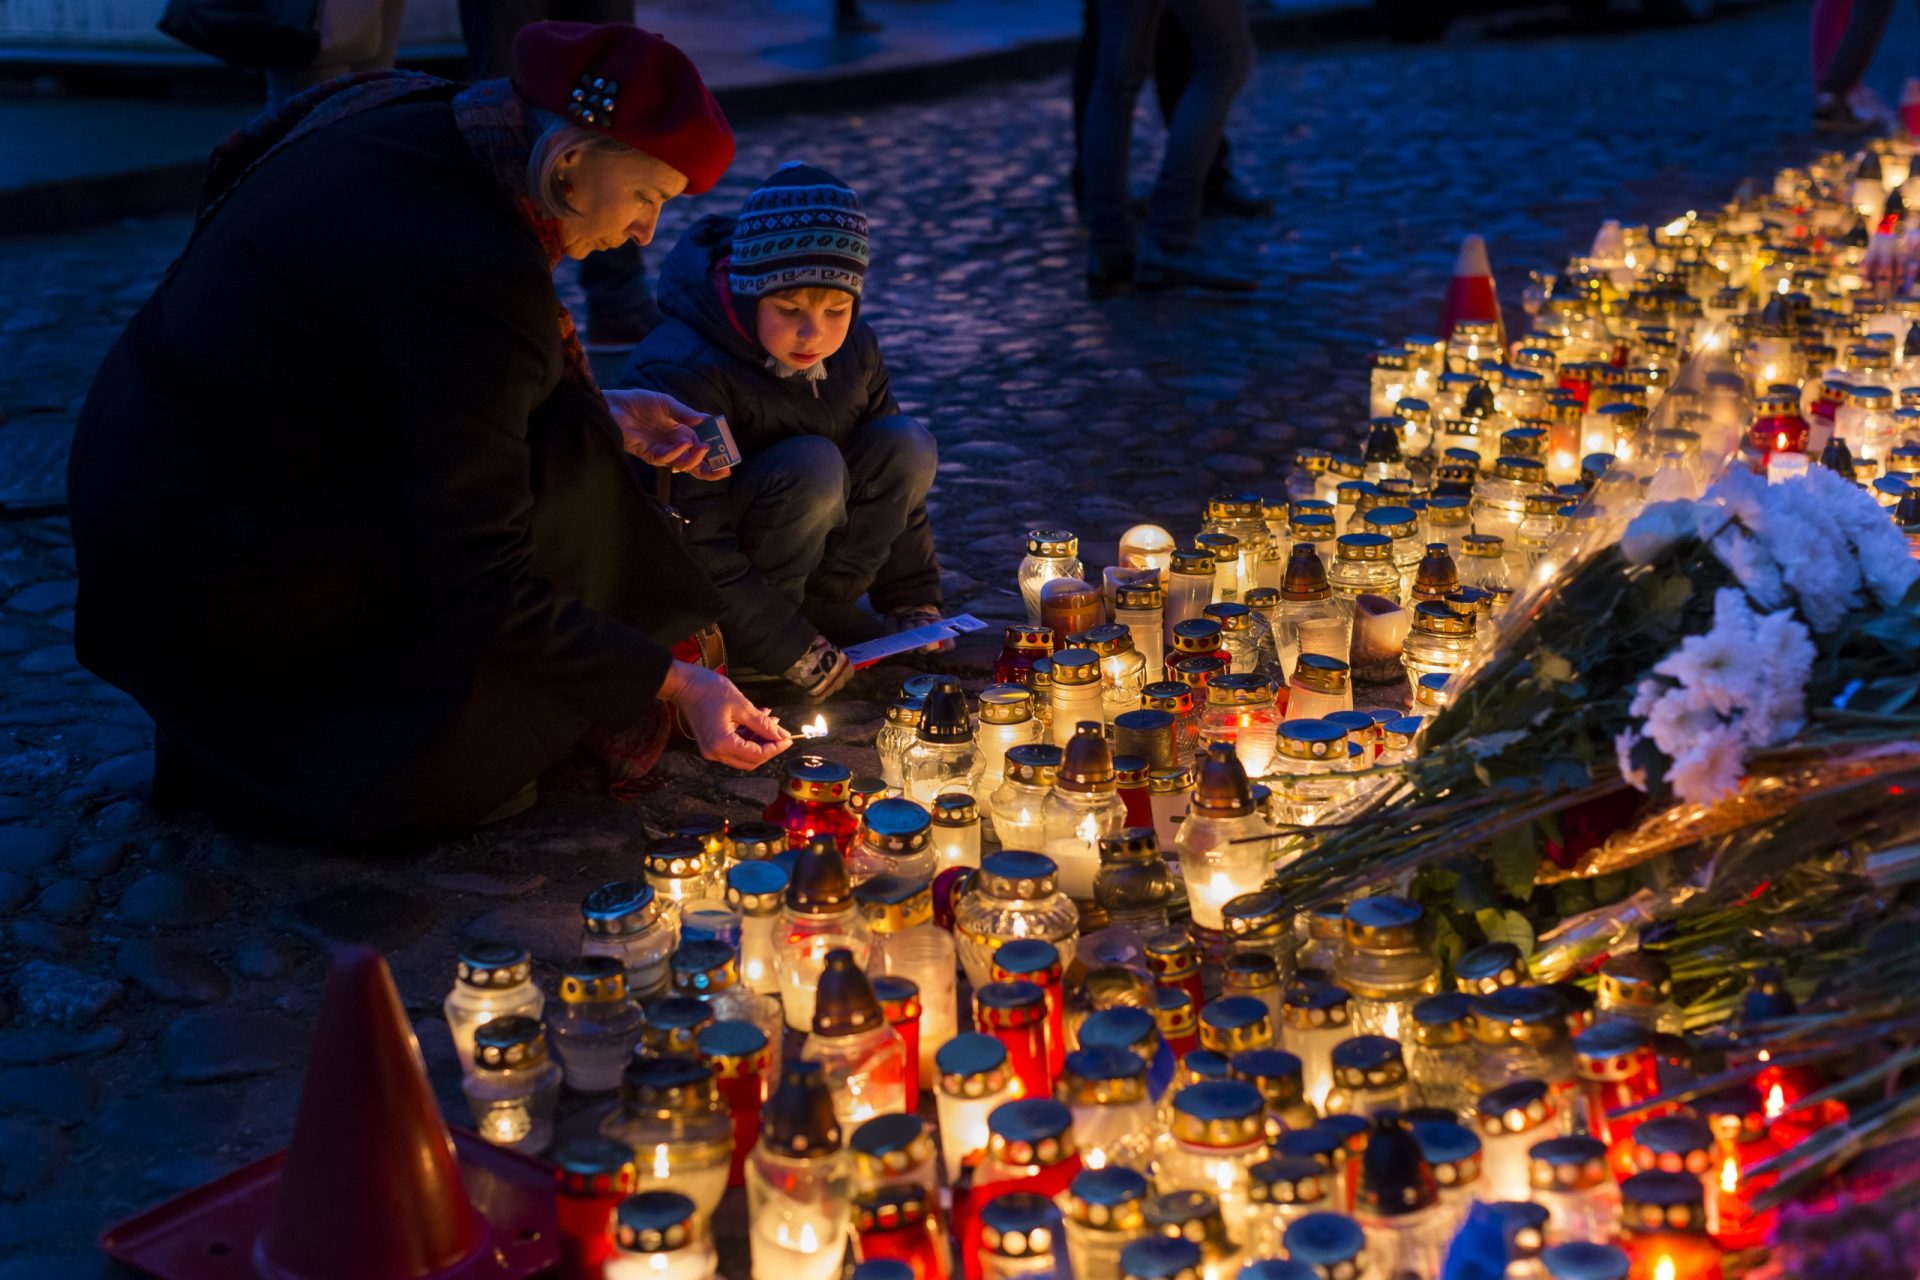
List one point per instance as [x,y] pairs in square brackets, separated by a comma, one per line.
[1910,106]
[1470,295]
[373,1186]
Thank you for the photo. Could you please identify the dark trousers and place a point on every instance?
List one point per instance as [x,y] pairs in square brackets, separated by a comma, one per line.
[807,517]
[1865,25]
[1172,68]
[615,280]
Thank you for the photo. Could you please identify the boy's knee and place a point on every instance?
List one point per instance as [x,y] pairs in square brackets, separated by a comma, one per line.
[904,452]
[807,473]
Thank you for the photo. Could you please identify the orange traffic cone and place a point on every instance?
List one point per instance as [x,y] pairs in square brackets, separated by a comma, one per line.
[372,1185]
[1471,295]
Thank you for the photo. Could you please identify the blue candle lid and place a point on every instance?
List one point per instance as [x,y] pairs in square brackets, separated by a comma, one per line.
[1030,1120]
[730,1038]
[971,1064]
[1351,1130]
[1446,1141]
[1019,994]
[1112,1187]
[1581,1260]
[896,820]
[655,1222]
[883,1269]
[886,1134]
[1525,1224]
[1205,1064]
[1122,1028]
[1103,1062]
[1278,1269]
[1024,956]
[1234,1013]
[1313,1142]
[1324,1240]
[1160,1258]
[1366,1053]
[1018,1224]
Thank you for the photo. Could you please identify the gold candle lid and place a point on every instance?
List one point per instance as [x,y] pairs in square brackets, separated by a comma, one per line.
[1321,674]
[1054,544]
[1075,667]
[1195,563]
[1437,618]
[1363,546]
[1482,544]
[1006,704]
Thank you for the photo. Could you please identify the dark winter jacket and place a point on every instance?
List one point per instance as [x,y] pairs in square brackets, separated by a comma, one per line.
[704,355]
[342,527]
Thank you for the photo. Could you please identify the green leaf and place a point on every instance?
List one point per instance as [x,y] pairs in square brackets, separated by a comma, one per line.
[1516,859]
[1448,945]
[1506,926]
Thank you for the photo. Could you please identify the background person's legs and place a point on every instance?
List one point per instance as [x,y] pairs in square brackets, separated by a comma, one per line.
[1222,56]
[1126,52]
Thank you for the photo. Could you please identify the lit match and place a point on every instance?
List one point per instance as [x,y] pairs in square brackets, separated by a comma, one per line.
[815,728]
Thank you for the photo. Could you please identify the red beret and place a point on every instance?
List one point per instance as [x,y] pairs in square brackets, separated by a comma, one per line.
[631,84]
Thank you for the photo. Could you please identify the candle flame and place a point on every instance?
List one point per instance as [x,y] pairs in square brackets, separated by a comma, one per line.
[1730,1175]
[1780,440]
[1663,1269]
[1783,284]
[816,728]
[1776,1102]
[1766,1055]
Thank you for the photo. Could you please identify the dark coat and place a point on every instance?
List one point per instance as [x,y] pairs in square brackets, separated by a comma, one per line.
[342,527]
[704,357]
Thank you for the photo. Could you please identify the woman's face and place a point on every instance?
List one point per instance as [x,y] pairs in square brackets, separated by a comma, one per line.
[618,196]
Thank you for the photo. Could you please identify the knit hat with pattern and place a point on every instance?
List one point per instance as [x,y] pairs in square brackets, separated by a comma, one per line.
[801,229]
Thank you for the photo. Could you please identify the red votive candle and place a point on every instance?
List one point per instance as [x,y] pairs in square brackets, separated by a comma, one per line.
[1179,1023]
[900,1003]
[1015,1014]
[899,1223]
[593,1175]
[740,1057]
[1174,962]
[1037,961]
[813,802]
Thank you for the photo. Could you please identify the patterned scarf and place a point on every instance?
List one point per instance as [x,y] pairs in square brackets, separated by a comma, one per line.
[491,118]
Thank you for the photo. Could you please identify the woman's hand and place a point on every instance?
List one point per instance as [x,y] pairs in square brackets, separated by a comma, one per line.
[729,729]
[658,430]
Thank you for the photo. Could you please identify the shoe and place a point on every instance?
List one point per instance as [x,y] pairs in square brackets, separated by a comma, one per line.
[1232,199]
[1109,276]
[1187,271]
[820,671]
[1831,114]
[909,616]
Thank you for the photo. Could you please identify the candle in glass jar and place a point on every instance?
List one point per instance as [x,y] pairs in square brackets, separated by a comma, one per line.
[899,1225]
[1663,1228]
[799,1182]
[1317,1020]
[592,1177]
[975,1078]
[1015,1013]
[1051,554]
[1102,1208]
[956,829]
[742,1061]
[659,1235]
[1512,1119]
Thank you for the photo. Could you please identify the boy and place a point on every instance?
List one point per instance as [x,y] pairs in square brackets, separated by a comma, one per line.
[829,499]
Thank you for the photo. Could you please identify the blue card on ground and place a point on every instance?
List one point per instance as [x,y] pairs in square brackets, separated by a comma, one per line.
[872,651]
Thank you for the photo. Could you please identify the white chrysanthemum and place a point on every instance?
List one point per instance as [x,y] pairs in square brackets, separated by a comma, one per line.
[1658,526]
[1624,744]
[1710,769]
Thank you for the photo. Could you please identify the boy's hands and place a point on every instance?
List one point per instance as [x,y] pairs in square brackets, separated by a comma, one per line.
[658,430]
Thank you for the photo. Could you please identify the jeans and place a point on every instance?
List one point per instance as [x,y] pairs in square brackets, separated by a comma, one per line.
[808,517]
[1172,68]
[1222,56]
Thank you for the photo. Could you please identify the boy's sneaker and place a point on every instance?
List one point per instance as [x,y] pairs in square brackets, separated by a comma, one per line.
[909,616]
[821,670]
[843,622]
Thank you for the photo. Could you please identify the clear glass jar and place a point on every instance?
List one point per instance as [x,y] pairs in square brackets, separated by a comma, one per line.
[626,920]
[1076,692]
[1369,1075]
[1015,894]
[753,841]
[1317,1020]
[1225,550]
[1051,553]
[681,870]
[1281,1192]
[1176,699]
[1401,527]
[1146,547]
[709,971]
[1310,775]
[1399,1208]
[1134,884]
[1019,802]
[1385,964]
[819,916]
[1511,1119]
[1006,721]
[1101,1207]
[1322,933]
[1500,500]
[597,1025]
[682,1137]
[1242,517]
[1309,619]
[1440,1059]
[1114,1119]
[1538,528]
[896,736]
[896,837]
[1309,468]
[956,830]
[1082,810]
[1189,588]
[1018,1234]
[1572,1182]
[1483,564]
[799,1182]
[1238,639]
[1218,1134]
[1169,795]
[1123,668]
[1225,846]
[1040,683]
[1520,1033]
[1865,420]
[1240,716]
[1439,641]
[513,1086]
[1141,608]
[943,756]
[757,890]
[492,980]
[1639,987]
[661,1235]
[863,1058]
[907,943]
[1319,686]
[1363,565]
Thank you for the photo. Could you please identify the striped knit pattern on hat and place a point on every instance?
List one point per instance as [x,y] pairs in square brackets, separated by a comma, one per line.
[802,229]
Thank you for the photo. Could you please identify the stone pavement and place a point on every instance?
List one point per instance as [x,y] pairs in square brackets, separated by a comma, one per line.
[158,975]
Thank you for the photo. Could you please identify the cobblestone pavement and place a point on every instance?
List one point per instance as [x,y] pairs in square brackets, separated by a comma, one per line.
[158,975]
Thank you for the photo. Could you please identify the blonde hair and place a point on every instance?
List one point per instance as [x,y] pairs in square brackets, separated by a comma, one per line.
[813,295]
[556,138]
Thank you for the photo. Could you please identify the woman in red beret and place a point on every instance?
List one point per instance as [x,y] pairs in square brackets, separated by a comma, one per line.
[354,523]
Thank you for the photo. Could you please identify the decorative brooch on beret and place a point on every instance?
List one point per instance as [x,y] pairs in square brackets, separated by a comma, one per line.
[591,102]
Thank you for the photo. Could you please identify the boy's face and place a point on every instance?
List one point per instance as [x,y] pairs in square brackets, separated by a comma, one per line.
[803,327]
